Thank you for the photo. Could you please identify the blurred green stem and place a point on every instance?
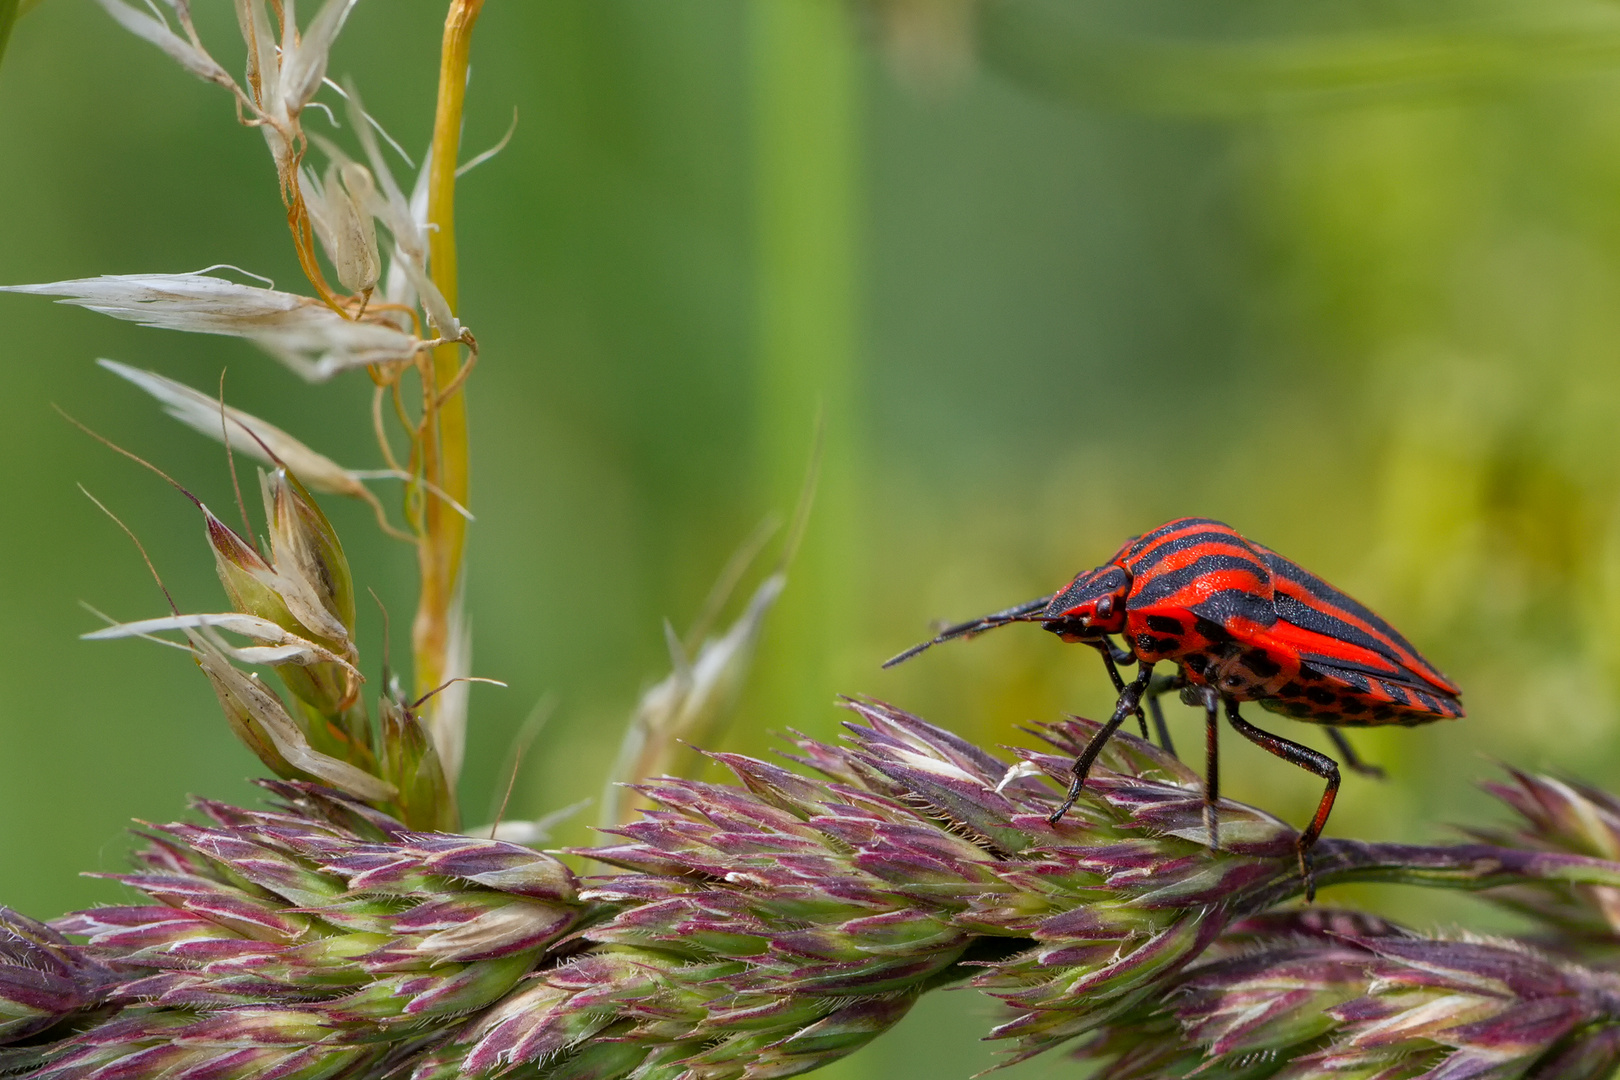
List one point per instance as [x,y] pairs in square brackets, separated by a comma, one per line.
[9,10]
[807,155]
[444,443]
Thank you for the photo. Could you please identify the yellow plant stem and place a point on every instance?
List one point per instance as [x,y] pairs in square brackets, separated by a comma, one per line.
[443,447]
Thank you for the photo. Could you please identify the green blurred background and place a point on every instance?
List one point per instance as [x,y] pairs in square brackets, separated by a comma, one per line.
[1345,275]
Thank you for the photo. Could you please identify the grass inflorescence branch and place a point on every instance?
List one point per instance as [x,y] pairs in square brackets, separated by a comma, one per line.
[766,927]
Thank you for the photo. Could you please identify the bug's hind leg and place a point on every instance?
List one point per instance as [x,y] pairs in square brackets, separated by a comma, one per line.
[1212,765]
[1130,697]
[1352,760]
[1307,759]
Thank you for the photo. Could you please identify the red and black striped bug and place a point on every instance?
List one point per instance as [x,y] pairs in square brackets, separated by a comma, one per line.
[1241,623]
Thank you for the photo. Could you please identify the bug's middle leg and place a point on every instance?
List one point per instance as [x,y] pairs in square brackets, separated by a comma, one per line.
[1157,688]
[1307,759]
[1130,697]
[1159,726]
[1112,658]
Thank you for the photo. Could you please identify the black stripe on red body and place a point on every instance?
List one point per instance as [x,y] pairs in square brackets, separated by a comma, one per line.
[1196,586]
[1349,654]
[1306,601]
[1237,616]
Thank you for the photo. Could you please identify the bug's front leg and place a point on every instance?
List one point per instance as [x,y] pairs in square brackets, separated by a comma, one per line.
[1130,698]
[1309,760]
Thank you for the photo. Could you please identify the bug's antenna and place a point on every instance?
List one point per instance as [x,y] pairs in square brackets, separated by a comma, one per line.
[1025,612]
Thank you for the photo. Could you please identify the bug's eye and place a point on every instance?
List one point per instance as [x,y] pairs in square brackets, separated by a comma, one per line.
[1105,607]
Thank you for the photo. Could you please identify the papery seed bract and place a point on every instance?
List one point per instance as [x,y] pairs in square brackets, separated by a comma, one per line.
[687,703]
[408,758]
[249,581]
[247,434]
[290,647]
[293,602]
[303,66]
[187,55]
[259,718]
[303,333]
[395,211]
[309,561]
[350,193]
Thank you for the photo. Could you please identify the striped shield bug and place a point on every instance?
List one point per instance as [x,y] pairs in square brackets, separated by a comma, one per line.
[1240,623]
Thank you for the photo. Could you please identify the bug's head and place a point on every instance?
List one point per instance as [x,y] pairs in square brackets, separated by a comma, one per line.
[1092,605]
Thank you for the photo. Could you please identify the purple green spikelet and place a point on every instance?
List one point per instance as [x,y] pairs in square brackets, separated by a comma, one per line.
[1562,816]
[910,853]
[763,929]
[45,984]
[283,944]
[1287,1001]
